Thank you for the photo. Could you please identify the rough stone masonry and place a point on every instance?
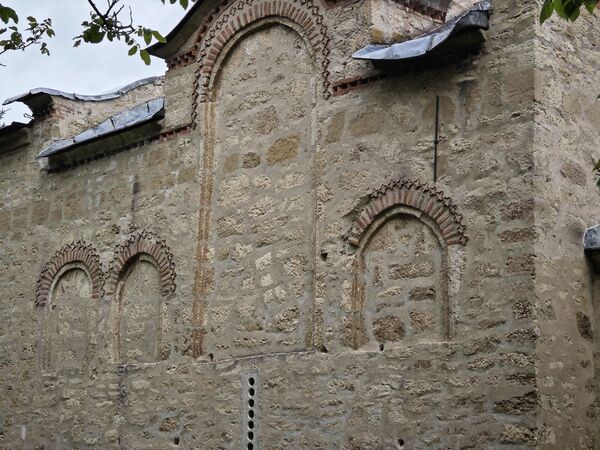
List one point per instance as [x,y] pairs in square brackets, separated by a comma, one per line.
[251,252]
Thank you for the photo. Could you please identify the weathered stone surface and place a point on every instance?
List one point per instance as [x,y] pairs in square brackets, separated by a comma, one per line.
[257,208]
[418,270]
[389,329]
[282,150]
[517,405]
[405,340]
[584,326]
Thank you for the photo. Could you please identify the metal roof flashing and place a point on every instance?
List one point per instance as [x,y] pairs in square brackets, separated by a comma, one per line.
[28,97]
[476,18]
[591,245]
[110,133]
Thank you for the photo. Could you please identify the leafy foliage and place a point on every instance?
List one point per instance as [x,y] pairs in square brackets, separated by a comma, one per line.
[113,22]
[570,10]
[567,9]
[12,38]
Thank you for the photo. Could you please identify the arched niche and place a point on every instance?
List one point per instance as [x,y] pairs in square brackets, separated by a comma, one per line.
[232,19]
[66,296]
[406,242]
[140,282]
[253,291]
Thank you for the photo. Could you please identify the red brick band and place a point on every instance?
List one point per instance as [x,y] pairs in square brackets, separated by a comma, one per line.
[78,252]
[230,20]
[416,194]
[144,242]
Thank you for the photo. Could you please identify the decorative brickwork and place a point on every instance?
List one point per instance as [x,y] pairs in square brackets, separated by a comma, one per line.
[78,252]
[182,60]
[278,153]
[144,242]
[244,13]
[347,85]
[416,194]
[191,55]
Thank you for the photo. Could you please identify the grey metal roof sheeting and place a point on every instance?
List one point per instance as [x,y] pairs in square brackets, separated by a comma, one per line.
[86,98]
[591,245]
[152,109]
[477,17]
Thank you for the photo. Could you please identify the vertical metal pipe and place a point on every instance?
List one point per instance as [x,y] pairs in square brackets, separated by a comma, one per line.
[436,137]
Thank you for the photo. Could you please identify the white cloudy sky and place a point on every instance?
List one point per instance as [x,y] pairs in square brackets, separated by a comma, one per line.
[88,69]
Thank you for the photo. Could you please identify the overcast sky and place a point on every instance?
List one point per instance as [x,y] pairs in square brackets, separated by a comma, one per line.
[88,69]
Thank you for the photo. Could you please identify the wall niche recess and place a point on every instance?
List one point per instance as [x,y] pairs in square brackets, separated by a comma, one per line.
[66,297]
[140,282]
[404,242]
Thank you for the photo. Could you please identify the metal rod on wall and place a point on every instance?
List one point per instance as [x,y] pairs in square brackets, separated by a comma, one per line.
[436,137]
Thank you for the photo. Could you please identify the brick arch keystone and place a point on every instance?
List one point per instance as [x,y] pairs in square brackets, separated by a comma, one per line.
[148,243]
[229,19]
[419,195]
[77,252]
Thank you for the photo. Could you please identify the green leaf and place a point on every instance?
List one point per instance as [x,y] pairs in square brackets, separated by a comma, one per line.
[590,5]
[147,36]
[93,35]
[184,3]
[596,167]
[547,10]
[7,14]
[132,51]
[145,57]
[559,8]
[159,37]
[574,15]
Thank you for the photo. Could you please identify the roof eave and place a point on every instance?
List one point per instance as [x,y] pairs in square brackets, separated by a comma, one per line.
[102,146]
[42,97]
[476,18]
[187,26]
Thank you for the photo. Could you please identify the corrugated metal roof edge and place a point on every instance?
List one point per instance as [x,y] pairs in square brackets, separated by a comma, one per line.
[86,98]
[475,17]
[124,120]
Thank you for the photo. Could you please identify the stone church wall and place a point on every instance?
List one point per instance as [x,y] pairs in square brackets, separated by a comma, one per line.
[284,275]
[567,312]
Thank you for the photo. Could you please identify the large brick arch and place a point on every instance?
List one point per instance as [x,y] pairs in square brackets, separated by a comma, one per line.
[428,205]
[415,194]
[226,22]
[76,253]
[148,243]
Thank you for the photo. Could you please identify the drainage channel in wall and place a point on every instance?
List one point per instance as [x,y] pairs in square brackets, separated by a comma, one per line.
[250,397]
